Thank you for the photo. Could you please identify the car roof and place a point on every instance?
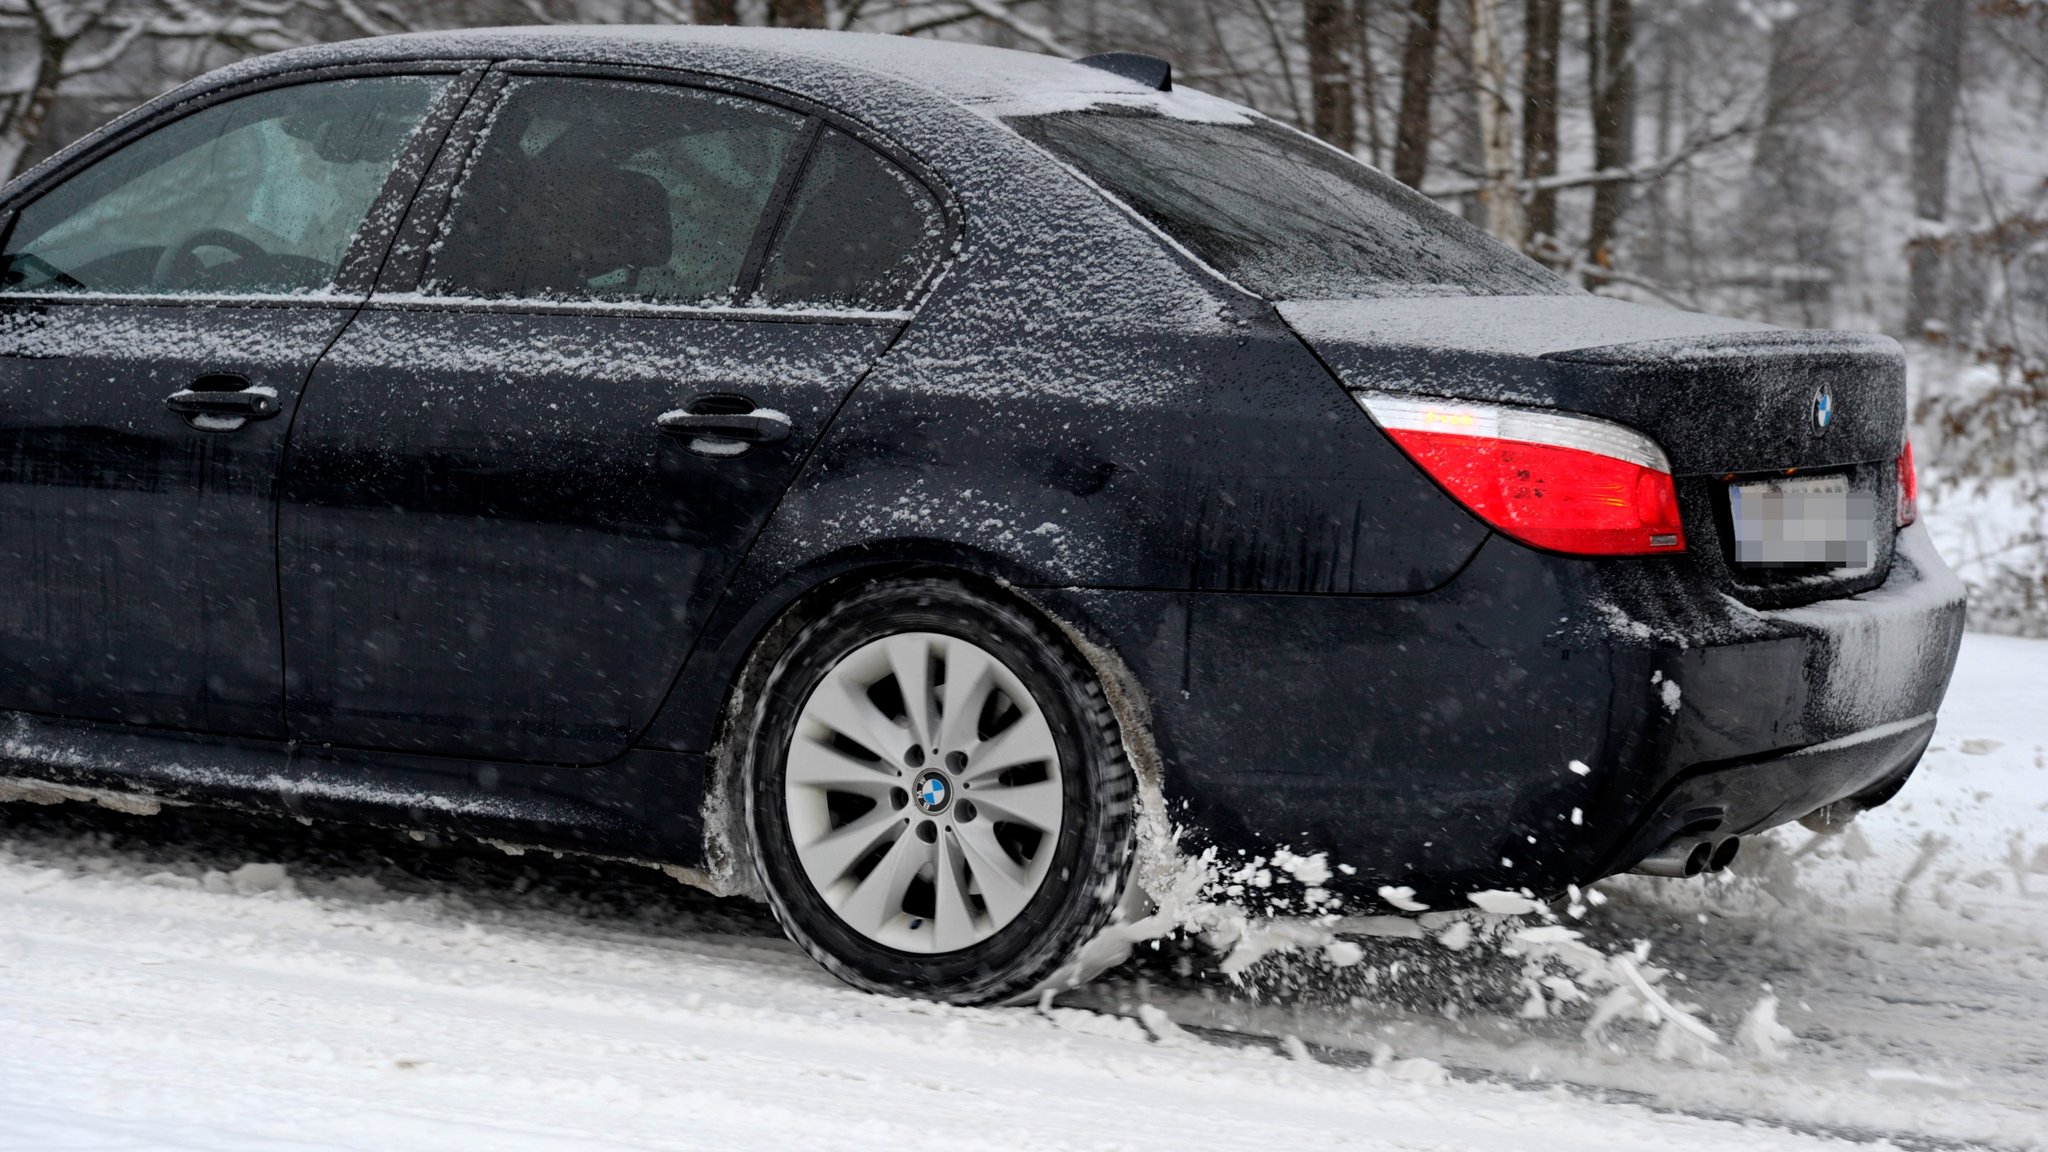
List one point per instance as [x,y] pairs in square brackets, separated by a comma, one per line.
[996,82]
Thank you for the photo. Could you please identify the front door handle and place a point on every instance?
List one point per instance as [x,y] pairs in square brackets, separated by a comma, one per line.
[725,425]
[222,403]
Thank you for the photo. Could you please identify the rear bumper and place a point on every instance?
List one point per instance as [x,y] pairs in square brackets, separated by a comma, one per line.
[1836,701]
[1745,797]
[1538,722]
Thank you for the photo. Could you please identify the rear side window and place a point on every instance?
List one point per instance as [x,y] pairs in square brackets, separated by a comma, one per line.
[605,190]
[259,194]
[861,232]
[1283,215]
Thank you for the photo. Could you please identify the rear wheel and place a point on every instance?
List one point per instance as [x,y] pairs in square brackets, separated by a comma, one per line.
[938,795]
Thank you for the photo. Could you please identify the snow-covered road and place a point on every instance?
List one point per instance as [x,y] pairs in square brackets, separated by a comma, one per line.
[177,982]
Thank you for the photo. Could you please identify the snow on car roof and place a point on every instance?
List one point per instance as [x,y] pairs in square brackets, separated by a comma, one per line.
[996,82]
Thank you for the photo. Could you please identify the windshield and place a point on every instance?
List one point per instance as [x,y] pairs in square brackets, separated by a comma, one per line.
[1283,215]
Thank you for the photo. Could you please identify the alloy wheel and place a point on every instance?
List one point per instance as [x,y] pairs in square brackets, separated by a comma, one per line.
[923,792]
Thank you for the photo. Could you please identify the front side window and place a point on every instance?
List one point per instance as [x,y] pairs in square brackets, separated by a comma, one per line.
[861,232]
[256,195]
[611,190]
[1288,218]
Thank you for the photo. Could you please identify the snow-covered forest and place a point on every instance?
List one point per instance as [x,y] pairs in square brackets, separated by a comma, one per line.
[1869,164]
[1858,163]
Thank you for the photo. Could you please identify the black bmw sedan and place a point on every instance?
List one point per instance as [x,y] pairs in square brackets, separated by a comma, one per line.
[883,476]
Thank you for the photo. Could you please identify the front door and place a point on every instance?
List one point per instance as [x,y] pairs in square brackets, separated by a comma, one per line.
[522,476]
[160,309]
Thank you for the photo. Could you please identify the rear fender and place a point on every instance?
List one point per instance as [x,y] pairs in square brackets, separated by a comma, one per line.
[760,609]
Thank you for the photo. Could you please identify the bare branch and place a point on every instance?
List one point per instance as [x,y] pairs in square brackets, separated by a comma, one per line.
[107,56]
[943,16]
[1280,54]
[1583,268]
[1645,173]
[363,21]
[996,12]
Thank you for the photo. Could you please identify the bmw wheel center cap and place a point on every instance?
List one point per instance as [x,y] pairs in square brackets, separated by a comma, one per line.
[932,792]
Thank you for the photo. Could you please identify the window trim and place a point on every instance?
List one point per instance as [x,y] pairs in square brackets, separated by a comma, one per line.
[398,287]
[367,249]
[384,301]
[775,213]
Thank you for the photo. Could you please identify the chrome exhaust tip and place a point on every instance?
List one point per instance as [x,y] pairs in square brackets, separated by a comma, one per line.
[1681,857]
[1687,856]
[1724,853]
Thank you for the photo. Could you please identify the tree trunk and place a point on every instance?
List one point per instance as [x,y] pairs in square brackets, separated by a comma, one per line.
[1503,194]
[1418,79]
[24,126]
[1368,77]
[715,11]
[1934,115]
[1544,21]
[796,13]
[1786,79]
[1329,72]
[1610,32]
[1654,253]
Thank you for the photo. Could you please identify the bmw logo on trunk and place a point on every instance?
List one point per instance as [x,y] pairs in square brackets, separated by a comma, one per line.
[932,792]
[1823,409]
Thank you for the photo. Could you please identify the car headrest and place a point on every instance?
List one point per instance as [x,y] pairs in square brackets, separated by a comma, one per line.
[599,221]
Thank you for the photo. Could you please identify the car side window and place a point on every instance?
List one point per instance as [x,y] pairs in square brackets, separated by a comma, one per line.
[259,194]
[861,233]
[612,190]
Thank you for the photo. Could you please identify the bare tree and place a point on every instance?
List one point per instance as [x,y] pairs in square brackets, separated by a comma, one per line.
[1542,34]
[1328,33]
[1502,194]
[1418,78]
[75,38]
[1368,77]
[1934,116]
[1433,88]
[1610,72]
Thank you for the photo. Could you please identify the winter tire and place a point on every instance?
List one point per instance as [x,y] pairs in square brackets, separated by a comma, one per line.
[938,795]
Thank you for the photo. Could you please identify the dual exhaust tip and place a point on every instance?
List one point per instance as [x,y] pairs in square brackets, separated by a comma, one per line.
[1687,856]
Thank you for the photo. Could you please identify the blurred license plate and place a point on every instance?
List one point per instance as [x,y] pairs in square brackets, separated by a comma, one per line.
[1809,520]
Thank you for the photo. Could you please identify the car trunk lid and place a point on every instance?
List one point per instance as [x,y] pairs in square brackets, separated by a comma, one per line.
[1729,401]
[1721,396]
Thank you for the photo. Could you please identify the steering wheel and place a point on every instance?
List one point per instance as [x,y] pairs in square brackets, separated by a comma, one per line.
[179,265]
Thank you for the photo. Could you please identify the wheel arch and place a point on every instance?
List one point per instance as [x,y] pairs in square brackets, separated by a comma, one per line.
[731,668]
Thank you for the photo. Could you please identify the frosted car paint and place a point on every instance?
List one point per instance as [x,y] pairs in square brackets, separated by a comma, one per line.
[536,555]
[151,543]
[1335,657]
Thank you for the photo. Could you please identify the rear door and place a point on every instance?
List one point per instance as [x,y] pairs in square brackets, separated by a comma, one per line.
[522,476]
[161,306]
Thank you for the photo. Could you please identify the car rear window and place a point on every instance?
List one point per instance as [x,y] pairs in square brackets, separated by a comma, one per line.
[1283,215]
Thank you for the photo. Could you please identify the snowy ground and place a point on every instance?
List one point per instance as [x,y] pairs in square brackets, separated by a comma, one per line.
[180,983]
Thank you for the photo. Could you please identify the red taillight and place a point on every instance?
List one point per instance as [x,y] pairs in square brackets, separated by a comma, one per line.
[1909,487]
[1566,483]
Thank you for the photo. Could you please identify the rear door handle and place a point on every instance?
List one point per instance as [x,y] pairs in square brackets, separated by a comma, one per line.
[222,403]
[719,426]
